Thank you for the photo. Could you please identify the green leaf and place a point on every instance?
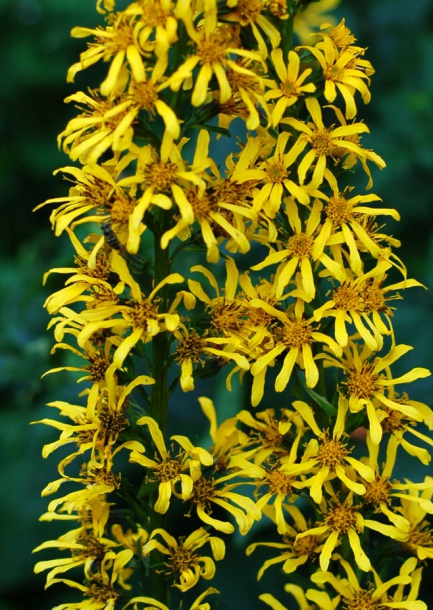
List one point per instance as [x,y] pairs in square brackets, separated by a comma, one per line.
[321,401]
[147,488]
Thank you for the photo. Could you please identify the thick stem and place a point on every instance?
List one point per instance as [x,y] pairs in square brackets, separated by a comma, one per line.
[159,399]
[159,396]
[287,33]
[160,343]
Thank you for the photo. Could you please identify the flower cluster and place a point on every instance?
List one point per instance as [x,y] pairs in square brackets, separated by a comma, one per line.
[265,264]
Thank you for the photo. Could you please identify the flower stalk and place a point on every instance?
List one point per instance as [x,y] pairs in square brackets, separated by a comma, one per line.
[226,137]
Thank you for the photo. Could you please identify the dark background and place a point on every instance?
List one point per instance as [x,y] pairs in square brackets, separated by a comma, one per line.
[36,52]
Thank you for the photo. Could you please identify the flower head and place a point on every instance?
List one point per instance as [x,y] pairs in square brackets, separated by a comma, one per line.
[168,470]
[181,558]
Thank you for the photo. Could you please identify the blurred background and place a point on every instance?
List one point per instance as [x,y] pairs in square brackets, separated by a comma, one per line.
[36,52]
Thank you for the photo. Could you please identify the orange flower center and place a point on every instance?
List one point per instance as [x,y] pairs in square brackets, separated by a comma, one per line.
[91,547]
[276,172]
[203,491]
[341,518]
[280,483]
[145,95]
[202,205]
[153,14]
[339,210]
[140,313]
[300,245]
[189,347]
[362,600]
[227,316]
[181,560]
[213,49]
[322,143]
[101,594]
[169,469]
[362,384]
[160,176]
[122,36]
[332,452]
[278,8]
[377,491]
[297,333]
[347,297]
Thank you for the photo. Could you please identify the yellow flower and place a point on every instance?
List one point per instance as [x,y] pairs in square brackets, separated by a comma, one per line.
[246,96]
[228,442]
[328,456]
[300,250]
[94,515]
[96,479]
[101,591]
[227,311]
[232,209]
[98,190]
[249,13]
[192,348]
[118,43]
[163,176]
[217,208]
[156,605]
[278,488]
[91,276]
[367,382]
[291,555]
[344,71]
[349,153]
[376,595]
[215,50]
[324,142]
[400,426]
[320,599]
[296,336]
[99,595]
[362,301]
[216,489]
[181,558]
[342,520]
[273,175]
[381,490]
[155,21]
[140,315]
[96,353]
[86,550]
[258,324]
[230,467]
[414,508]
[347,218]
[308,20]
[106,124]
[103,124]
[340,35]
[290,86]
[95,426]
[168,470]
[272,436]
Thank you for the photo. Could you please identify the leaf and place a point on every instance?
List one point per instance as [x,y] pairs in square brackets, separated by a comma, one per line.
[321,401]
[147,488]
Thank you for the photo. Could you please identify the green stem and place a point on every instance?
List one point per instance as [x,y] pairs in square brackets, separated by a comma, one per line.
[159,398]
[287,33]
[160,343]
